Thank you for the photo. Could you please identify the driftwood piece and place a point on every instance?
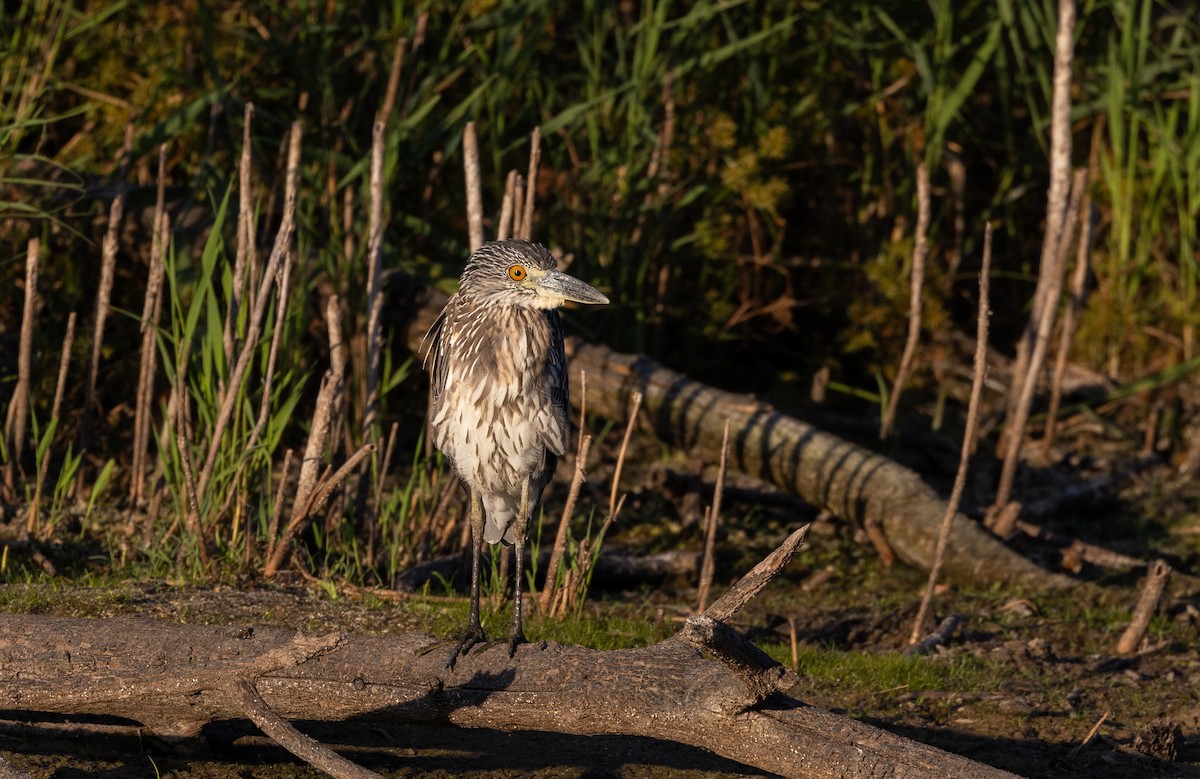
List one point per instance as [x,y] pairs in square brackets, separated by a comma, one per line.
[176,678]
[854,483]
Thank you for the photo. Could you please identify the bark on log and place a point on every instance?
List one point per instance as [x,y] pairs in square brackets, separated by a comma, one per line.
[175,678]
[854,483]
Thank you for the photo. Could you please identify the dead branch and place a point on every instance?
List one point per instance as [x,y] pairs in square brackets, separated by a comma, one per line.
[708,566]
[960,477]
[535,156]
[759,577]
[375,273]
[18,406]
[1152,591]
[474,187]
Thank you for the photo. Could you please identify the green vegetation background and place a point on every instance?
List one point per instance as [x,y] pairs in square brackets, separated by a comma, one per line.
[738,176]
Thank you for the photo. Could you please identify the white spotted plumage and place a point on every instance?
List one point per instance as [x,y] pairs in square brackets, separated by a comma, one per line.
[500,411]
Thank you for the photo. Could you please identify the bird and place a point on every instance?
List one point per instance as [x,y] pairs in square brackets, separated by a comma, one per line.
[499,411]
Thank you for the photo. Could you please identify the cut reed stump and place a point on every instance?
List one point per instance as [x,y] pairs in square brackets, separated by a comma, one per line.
[854,483]
[174,679]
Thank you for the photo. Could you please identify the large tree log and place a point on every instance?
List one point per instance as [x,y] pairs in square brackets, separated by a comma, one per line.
[855,483]
[175,678]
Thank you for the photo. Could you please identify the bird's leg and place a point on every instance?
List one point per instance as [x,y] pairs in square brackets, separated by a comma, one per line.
[474,634]
[520,531]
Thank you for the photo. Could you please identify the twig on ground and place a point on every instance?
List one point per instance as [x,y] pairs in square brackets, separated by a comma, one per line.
[1075,551]
[1089,737]
[943,633]
[1157,577]
[708,567]
[960,478]
[917,283]
[474,187]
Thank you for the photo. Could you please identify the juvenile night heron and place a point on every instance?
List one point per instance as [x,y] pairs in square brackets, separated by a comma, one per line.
[500,413]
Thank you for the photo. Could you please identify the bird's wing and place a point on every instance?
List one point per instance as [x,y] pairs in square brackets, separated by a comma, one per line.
[560,401]
[434,360]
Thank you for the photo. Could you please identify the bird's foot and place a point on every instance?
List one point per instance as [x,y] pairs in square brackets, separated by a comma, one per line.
[473,637]
[515,640]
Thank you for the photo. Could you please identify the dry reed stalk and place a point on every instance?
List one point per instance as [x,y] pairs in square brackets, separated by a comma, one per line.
[338,359]
[504,230]
[1037,357]
[917,283]
[708,565]
[960,477]
[1075,306]
[148,365]
[560,538]
[315,503]
[279,254]
[18,406]
[375,281]
[277,508]
[245,235]
[64,363]
[573,589]
[108,264]
[237,485]
[1156,582]
[1056,203]
[474,186]
[314,449]
[418,42]
[958,192]
[635,405]
[535,157]
[518,204]
[393,85]
[192,517]
[373,517]
[348,223]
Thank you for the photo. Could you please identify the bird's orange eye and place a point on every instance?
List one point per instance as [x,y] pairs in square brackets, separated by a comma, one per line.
[516,273]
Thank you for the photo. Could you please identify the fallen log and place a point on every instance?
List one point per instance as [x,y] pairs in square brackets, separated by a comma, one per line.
[854,483]
[175,678]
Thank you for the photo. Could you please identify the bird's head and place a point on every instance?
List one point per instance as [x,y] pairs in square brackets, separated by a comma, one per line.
[520,273]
